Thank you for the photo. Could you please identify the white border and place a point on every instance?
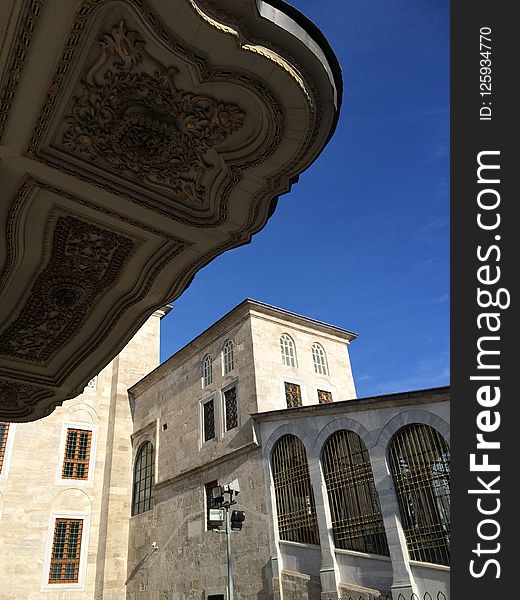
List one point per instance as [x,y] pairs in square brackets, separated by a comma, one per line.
[69,482]
[6,463]
[324,387]
[82,573]
[289,378]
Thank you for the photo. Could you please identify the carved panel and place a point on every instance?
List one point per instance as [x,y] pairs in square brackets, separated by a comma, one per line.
[85,261]
[130,118]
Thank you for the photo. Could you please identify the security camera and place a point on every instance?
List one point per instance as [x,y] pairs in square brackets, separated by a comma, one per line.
[155,546]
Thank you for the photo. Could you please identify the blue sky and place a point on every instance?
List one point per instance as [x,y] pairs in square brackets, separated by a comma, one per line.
[362,240]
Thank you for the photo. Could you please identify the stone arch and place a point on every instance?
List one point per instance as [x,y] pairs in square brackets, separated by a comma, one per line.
[408,417]
[72,500]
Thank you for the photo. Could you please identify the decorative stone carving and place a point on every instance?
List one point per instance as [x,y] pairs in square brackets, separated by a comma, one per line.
[131,119]
[18,399]
[85,261]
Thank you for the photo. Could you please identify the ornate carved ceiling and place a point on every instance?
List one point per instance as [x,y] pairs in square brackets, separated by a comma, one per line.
[138,140]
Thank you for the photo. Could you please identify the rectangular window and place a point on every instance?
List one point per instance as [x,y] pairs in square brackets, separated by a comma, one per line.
[293,395]
[210,504]
[77,454]
[208,420]
[66,549]
[231,408]
[324,397]
[4,430]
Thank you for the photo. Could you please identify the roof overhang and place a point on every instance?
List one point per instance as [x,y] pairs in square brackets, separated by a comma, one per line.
[139,139]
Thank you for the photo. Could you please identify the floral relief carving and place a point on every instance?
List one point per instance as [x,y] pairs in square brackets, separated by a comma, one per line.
[131,119]
[85,261]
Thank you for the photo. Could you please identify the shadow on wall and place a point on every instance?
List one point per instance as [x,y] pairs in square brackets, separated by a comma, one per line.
[267,578]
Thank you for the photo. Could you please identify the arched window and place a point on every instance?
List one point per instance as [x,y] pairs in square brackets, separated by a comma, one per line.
[294,497]
[227,357]
[319,359]
[207,371]
[144,472]
[357,522]
[288,350]
[420,465]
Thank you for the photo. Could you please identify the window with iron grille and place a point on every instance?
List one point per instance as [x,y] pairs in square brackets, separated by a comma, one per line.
[144,479]
[207,371]
[420,464]
[4,430]
[293,394]
[288,350]
[208,420]
[227,357]
[324,397]
[295,506]
[231,408]
[319,359]
[210,503]
[66,550]
[77,454]
[357,522]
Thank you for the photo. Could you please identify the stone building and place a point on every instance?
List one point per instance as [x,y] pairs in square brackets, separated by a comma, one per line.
[342,495]
[65,487]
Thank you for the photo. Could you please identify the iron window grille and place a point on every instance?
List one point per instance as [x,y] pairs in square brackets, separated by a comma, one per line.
[77,454]
[319,359]
[293,395]
[4,430]
[66,549]
[357,521]
[420,466]
[295,506]
[288,350]
[207,371]
[144,476]
[231,408]
[208,420]
[324,397]
[228,357]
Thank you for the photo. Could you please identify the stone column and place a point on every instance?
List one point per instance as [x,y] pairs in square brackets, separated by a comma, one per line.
[329,572]
[403,581]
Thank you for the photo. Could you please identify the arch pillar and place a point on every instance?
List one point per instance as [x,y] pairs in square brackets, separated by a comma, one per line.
[403,581]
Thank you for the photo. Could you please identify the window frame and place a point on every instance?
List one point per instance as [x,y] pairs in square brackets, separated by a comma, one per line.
[8,451]
[414,543]
[351,478]
[288,378]
[206,373]
[228,344]
[202,402]
[233,384]
[207,505]
[294,358]
[93,428]
[139,448]
[290,496]
[83,554]
[315,363]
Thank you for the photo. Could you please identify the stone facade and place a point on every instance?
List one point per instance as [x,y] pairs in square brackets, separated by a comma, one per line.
[173,555]
[168,412]
[33,492]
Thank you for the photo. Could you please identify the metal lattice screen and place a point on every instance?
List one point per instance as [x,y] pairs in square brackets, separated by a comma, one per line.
[295,506]
[420,465]
[357,521]
[144,472]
